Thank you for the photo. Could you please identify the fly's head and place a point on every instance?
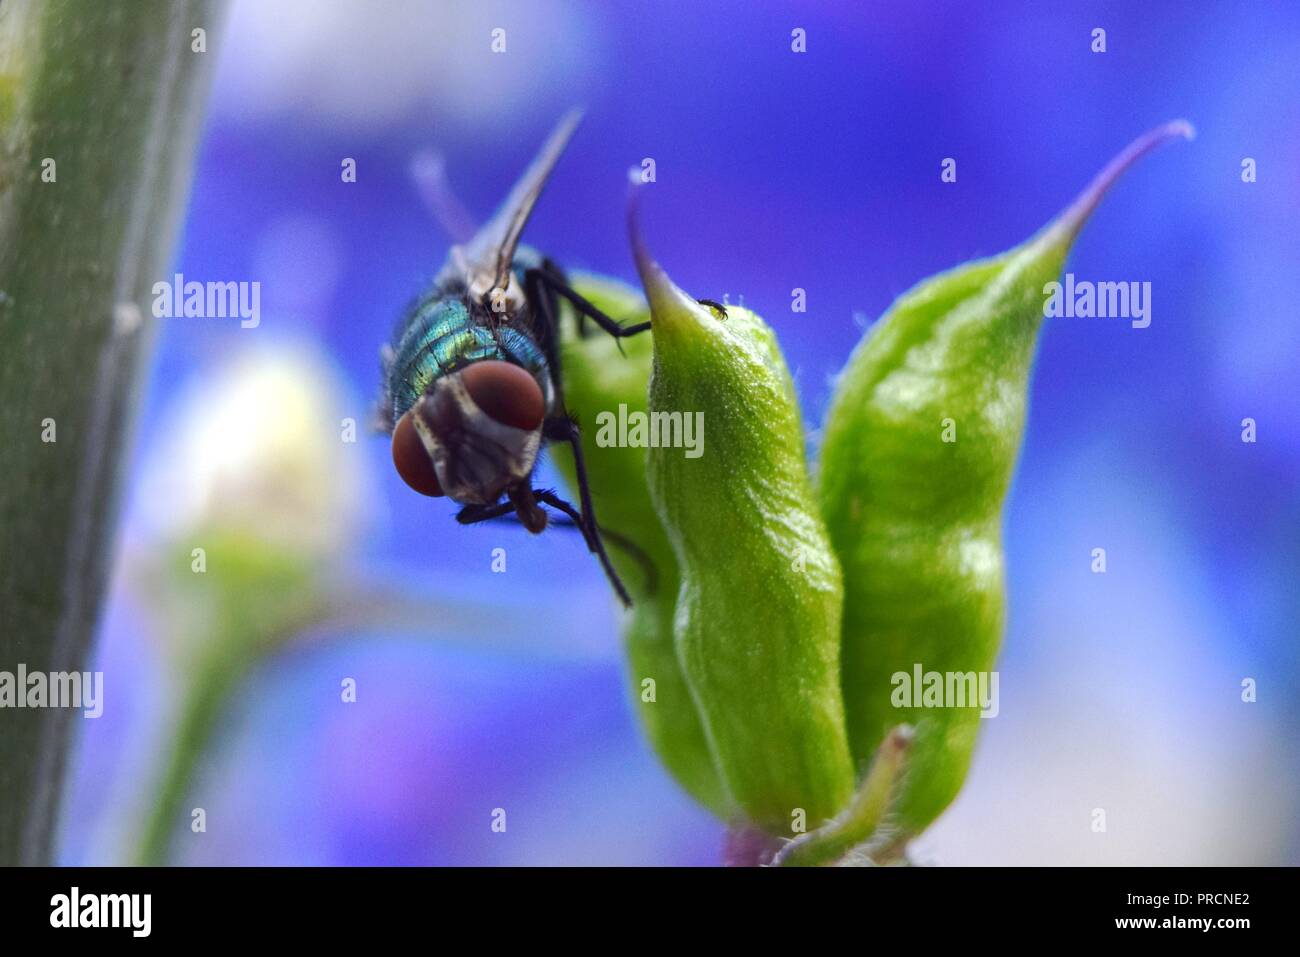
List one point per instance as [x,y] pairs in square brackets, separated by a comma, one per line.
[473,435]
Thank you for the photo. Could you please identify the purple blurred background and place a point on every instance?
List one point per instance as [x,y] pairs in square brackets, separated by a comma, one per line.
[775,170]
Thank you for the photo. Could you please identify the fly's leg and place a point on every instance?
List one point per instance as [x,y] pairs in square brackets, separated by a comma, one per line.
[637,554]
[473,514]
[553,500]
[565,430]
[542,286]
[520,500]
[557,285]
[556,273]
[546,311]
[619,541]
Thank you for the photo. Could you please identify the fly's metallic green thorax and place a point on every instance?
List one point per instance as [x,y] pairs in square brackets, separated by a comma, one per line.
[443,333]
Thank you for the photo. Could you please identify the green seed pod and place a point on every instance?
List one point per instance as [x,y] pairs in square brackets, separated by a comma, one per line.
[918,451]
[758,614]
[598,378]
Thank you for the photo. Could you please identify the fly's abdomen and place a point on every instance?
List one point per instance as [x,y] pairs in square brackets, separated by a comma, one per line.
[439,337]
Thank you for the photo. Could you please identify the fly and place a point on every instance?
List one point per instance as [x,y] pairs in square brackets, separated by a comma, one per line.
[473,388]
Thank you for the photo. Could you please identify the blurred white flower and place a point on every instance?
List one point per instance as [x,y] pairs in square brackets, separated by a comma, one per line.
[258,446]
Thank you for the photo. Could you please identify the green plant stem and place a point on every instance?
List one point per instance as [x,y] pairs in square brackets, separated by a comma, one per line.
[109,93]
[264,613]
[857,823]
[204,700]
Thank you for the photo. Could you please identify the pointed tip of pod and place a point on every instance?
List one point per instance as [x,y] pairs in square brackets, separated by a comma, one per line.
[669,304]
[1063,230]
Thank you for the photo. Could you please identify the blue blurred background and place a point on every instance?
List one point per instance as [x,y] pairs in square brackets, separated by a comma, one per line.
[775,170]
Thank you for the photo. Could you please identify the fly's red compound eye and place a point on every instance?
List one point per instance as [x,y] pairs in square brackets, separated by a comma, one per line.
[412,461]
[505,392]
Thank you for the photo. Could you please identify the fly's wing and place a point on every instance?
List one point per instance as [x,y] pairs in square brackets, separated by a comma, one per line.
[487,257]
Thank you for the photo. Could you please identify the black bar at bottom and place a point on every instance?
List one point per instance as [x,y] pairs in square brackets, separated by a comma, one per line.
[331,906]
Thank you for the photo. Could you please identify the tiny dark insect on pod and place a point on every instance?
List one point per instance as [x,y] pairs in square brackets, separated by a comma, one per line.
[718,308]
